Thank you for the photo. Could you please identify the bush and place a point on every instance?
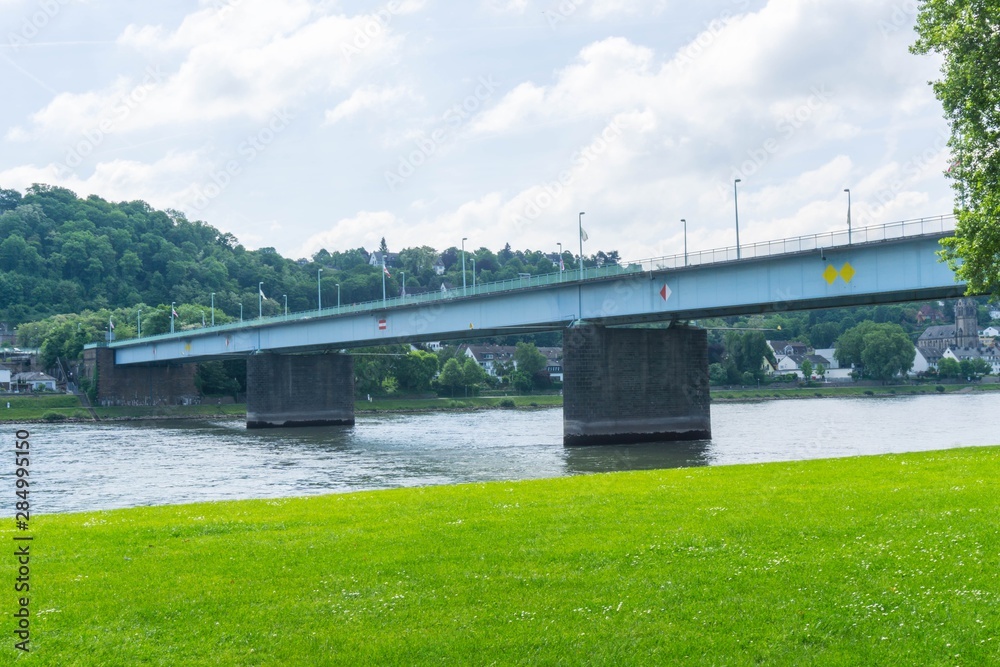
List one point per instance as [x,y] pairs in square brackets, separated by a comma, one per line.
[939,389]
[53,416]
[869,392]
[507,404]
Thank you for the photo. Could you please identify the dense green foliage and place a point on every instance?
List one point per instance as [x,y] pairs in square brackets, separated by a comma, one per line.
[889,560]
[879,351]
[60,254]
[966,33]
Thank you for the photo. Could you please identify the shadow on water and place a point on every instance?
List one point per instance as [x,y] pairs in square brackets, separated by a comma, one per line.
[646,456]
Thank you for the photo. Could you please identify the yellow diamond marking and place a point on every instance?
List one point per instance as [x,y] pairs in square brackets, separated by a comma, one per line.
[847,272]
[830,274]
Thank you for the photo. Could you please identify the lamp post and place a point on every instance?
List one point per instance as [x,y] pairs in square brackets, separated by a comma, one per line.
[736,205]
[464,239]
[402,287]
[285,297]
[319,291]
[473,260]
[138,324]
[241,311]
[581,244]
[213,309]
[685,241]
[260,300]
[848,191]
[172,317]
[338,295]
[560,259]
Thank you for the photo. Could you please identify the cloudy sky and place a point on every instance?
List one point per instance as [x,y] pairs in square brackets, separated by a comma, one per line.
[321,124]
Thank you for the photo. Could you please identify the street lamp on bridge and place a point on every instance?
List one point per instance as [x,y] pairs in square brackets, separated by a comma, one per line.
[736,205]
[464,239]
[685,241]
[848,191]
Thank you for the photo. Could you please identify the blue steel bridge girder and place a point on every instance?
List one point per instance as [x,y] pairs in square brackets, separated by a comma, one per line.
[889,271]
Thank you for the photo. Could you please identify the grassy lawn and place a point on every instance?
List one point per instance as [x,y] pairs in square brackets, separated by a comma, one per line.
[391,404]
[33,407]
[846,391]
[890,560]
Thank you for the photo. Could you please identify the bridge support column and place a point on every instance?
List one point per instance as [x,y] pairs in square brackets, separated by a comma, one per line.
[635,385]
[171,384]
[300,390]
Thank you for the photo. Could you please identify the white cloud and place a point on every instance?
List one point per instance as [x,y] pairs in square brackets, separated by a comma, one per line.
[367,98]
[365,229]
[239,60]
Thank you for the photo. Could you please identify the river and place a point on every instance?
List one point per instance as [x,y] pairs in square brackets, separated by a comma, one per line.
[80,467]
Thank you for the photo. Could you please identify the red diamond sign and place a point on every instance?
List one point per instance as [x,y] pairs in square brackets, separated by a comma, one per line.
[665,292]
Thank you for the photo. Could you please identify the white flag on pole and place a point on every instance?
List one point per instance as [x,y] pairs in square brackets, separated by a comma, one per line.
[583,234]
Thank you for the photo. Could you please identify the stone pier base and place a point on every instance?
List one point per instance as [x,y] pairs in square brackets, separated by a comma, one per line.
[635,385]
[300,390]
[168,384]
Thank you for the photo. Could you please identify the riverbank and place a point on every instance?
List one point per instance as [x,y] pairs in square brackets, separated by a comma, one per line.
[27,409]
[872,560]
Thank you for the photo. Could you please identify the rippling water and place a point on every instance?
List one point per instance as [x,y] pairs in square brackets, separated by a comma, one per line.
[77,467]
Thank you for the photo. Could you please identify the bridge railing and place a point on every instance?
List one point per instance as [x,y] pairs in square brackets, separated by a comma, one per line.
[840,238]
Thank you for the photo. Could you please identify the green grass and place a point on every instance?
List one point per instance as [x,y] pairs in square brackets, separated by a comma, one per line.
[890,560]
[457,403]
[203,410]
[819,390]
[33,407]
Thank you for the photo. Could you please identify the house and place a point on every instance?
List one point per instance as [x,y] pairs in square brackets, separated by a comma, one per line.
[828,353]
[490,356]
[793,363]
[5,379]
[787,347]
[990,354]
[438,267]
[376,258]
[989,332]
[33,382]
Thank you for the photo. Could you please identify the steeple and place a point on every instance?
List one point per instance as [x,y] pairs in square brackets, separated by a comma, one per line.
[966,323]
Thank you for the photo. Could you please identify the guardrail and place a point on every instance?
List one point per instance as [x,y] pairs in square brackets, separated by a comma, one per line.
[841,238]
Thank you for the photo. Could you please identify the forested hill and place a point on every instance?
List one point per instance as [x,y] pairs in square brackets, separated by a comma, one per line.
[63,254]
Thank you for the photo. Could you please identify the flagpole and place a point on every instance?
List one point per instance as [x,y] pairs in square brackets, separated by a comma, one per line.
[172,311]
[848,191]
[383,280]
[260,300]
[579,289]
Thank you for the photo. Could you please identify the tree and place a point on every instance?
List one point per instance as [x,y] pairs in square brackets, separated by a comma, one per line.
[383,248]
[965,33]
[451,375]
[807,369]
[717,374]
[948,368]
[416,370]
[887,352]
[747,351]
[473,374]
[881,351]
[528,359]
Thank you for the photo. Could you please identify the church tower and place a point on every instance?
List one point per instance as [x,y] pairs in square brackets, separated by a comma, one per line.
[966,323]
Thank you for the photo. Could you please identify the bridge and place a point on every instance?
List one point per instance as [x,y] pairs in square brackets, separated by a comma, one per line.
[622,383]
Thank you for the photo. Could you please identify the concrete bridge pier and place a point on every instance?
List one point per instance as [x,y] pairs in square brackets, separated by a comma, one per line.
[635,385]
[299,390]
[161,384]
